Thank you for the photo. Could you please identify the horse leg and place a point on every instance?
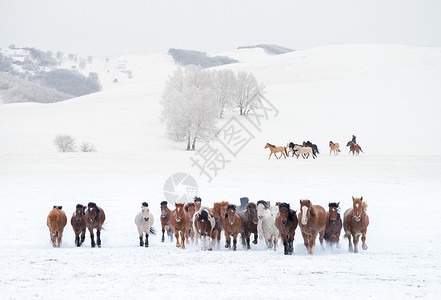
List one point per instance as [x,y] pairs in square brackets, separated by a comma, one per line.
[270,155]
[285,245]
[227,240]
[98,237]
[256,236]
[83,236]
[77,237]
[321,236]
[248,240]
[235,241]
[356,237]
[141,241]
[177,239]
[92,238]
[59,236]
[147,238]
[183,239]
[364,246]
[170,233]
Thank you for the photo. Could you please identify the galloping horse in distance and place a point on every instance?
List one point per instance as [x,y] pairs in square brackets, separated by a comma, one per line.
[275,150]
[232,224]
[78,222]
[286,223]
[249,225]
[355,223]
[290,146]
[334,147]
[304,151]
[312,221]
[313,146]
[354,148]
[180,223]
[144,221]
[95,218]
[56,221]
[333,225]
[204,223]
[165,221]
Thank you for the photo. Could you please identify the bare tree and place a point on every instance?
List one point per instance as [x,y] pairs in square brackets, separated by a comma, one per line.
[225,85]
[87,147]
[248,92]
[65,143]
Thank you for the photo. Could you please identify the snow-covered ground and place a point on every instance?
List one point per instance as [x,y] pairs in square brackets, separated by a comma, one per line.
[386,95]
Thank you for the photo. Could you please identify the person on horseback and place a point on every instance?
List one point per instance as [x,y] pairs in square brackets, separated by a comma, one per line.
[354,139]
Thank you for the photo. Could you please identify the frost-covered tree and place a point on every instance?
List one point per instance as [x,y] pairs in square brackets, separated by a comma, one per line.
[225,86]
[189,106]
[248,92]
[65,143]
[87,147]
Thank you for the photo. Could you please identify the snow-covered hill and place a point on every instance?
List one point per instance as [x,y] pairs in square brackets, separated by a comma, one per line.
[387,95]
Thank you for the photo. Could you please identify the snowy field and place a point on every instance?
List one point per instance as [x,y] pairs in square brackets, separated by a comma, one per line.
[315,102]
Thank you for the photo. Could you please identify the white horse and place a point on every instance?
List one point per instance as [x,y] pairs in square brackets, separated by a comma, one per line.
[204,231]
[267,224]
[144,221]
[304,151]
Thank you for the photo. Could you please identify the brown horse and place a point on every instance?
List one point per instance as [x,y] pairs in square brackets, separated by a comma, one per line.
[78,222]
[190,209]
[232,223]
[180,223]
[312,221]
[354,148]
[95,218]
[165,221]
[286,223]
[275,150]
[197,203]
[219,211]
[355,223]
[249,225]
[333,225]
[204,223]
[56,221]
[334,147]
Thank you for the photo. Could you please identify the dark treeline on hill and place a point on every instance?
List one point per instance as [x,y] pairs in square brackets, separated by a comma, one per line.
[269,48]
[32,75]
[192,57]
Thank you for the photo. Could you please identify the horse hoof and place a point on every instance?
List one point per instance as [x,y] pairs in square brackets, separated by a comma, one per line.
[338,246]
[146,246]
[364,247]
[255,242]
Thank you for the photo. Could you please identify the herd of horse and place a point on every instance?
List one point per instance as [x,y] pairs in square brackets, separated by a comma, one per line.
[307,149]
[195,223]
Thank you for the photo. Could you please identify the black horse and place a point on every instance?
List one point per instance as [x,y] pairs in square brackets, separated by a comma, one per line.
[315,150]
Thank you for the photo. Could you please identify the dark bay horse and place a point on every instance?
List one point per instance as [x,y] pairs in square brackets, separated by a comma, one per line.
[180,223]
[355,223]
[95,218]
[249,224]
[56,221]
[219,211]
[232,223]
[190,209]
[333,225]
[286,223]
[78,222]
[165,221]
[312,222]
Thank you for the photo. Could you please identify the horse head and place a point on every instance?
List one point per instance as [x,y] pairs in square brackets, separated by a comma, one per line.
[145,211]
[92,211]
[230,214]
[197,202]
[284,209]
[252,212]
[261,209]
[191,209]
[80,212]
[164,209]
[358,208]
[180,211]
[350,143]
[305,210]
[334,214]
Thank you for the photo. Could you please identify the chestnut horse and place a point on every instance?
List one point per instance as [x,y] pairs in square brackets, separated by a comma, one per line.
[56,221]
[204,223]
[334,147]
[219,211]
[333,225]
[249,225]
[312,221]
[232,223]
[354,148]
[95,218]
[78,222]
[286,223]
[275,150]
[190,209]
[165,221]
[180,223]
[355,223]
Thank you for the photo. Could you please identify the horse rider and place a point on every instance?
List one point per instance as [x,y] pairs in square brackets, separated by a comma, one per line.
[354,139]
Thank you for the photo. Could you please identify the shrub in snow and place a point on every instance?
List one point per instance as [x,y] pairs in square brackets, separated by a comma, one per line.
[65,143]
[87,147]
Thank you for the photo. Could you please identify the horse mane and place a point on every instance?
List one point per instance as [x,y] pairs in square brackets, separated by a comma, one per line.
[145,204]
[263,202]
[79,206]
[271,145]
[364,205]
[164,203]
[292,213]
[93,205]
[284,204]
[203,215]
[251,205]
[230,206]
[197,199]
[334,204]
[313,211]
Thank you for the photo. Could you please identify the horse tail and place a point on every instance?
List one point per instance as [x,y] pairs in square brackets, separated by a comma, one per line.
[360,148]
[152,231]
[338,150]
[316,149]
[285,151]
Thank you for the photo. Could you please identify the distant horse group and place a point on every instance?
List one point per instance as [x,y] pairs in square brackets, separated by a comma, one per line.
[269,222]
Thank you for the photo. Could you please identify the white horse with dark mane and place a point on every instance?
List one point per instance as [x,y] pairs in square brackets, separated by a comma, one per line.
[144,221]
[267,223]
[305,152]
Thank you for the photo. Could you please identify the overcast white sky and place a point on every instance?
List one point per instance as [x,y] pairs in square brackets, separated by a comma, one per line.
[106,27]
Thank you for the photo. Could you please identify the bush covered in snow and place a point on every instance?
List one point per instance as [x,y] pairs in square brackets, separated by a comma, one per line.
[71,82]
[65,143]
[192,57]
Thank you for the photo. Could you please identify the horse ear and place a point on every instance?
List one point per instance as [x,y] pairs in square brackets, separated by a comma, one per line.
[353,198]
[84,209]
[54,206]
[61,207]
[361,198]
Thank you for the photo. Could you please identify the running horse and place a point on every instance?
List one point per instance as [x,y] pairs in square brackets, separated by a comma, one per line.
[165,221]
[219,211]
[95,218]
[204,223]
[249,225]
[144,221]
[232,223]
[312,222]
[180,223]
[333,225]
[56,221]
[355,223]
[78,222]
[354,148]
[275,150]
[190,211]
[286,223]
[334,147]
